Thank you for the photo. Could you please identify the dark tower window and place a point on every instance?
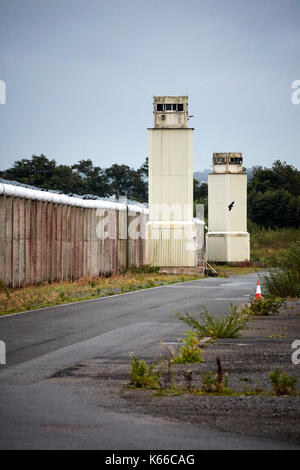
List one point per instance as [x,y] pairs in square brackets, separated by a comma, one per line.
[236,160]
[169,107]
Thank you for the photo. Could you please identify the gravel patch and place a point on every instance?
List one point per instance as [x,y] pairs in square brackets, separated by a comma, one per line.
[248,362]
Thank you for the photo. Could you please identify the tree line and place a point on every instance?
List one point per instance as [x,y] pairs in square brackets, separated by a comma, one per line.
[81,178]
[273,193]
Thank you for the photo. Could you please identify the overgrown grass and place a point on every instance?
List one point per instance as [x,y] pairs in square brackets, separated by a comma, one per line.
[213,383]
[263,306]
[282,383]
[189,352]
[217,383]
[142,375]
[227,325]
[282,276]
[225,270]
[144,268]
[265,244]
[48,294]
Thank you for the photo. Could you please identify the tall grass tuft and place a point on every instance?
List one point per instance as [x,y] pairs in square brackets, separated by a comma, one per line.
[226,326]
[282,383]
[281,278]
[142,375]
[267,243]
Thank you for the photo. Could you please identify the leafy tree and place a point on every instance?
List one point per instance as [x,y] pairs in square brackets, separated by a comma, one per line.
[125,181]
[144,169]
[81,178]
[85,168]
[96,180]
[201,196]
[279,176]
[65,180]
[200,190]
[274,195]
[274,208]
[35,171]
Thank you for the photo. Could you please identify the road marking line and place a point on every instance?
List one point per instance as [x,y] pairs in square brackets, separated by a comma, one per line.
[197,287]
[228,298]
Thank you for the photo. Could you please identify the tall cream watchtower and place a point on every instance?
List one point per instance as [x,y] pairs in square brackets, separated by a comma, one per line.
[171,230]
[227,239]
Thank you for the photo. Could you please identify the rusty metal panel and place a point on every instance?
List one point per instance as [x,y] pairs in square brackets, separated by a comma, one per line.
[3,238]
[21,254]
[59,273]
[45,241]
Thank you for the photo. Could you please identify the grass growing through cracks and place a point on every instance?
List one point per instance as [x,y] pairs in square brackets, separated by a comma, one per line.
[262,306]
[189,352]
[142,375]
[226,326]
[282,383]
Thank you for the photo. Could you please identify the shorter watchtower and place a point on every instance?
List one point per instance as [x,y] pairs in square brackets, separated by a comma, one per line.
[227,239]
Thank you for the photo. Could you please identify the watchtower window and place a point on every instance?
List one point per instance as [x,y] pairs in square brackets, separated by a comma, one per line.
[169,107]
[220,160]
[236,160]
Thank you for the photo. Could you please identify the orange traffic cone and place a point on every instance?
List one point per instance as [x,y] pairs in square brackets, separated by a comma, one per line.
[258,290]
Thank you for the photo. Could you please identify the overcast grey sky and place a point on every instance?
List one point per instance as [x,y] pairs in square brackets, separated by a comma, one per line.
[80,76]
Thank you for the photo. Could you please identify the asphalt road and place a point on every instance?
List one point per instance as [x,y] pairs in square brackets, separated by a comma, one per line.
[35,413]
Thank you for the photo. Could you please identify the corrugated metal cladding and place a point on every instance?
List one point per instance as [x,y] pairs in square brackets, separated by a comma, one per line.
[45,241]
[171,171]
[228,247]
[171,200]
[170,247]
[227,239]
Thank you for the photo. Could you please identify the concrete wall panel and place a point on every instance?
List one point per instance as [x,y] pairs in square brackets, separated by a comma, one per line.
[44,241]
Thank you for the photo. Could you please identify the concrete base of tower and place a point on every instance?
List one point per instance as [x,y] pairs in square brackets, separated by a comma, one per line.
[173,243]
[227,247]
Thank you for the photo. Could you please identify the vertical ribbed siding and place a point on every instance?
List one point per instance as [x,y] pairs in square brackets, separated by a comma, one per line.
[44,241]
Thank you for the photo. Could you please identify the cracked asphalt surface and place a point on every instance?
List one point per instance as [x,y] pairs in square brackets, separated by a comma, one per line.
[49,398]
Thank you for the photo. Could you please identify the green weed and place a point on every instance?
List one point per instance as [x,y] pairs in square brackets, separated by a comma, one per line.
[263,306]
[142,375]
[267,243]
[226,326]
[144,268]
[282,383]
[215,383]
[282,275]
[189,352]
